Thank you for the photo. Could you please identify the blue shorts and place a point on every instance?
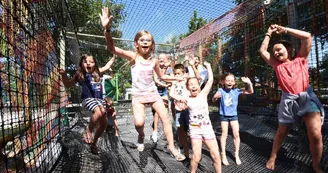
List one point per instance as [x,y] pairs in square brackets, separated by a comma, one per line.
[182,118]
[313,107]
[162,91]
[229,118]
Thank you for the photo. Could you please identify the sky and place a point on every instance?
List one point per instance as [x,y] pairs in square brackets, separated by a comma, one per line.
[166,18]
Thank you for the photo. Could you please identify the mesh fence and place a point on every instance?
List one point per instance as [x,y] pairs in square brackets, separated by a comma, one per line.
[33,43]
[31,107]
[231,43]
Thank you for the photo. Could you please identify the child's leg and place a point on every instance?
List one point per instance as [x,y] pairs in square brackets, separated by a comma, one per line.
[235,129]
[115,125]
[223,140]
[139,120]
[155,126]
[182,137]
[167,126]
[212,145]
[277,142]
[98,112]
[313,125]
[101,128]
[196,145]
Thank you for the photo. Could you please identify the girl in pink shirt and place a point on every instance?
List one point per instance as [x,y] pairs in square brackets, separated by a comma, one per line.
[293,78]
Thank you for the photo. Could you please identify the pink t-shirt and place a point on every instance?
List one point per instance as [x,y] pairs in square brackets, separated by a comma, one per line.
[293,76]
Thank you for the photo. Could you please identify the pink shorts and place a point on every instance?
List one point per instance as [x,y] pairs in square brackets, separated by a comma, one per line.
[206,133]
[146,97]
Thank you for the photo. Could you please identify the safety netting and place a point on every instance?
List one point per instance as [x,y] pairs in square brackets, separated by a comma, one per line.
[42,123]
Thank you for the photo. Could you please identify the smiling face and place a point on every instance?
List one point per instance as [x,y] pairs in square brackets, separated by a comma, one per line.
[164,61]
[144,43]
[229,81]
[280,52]
[193,87]
[88,64]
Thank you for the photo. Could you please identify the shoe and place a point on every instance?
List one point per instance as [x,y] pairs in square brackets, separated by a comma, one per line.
[177,155]
[154,136]
[140,147]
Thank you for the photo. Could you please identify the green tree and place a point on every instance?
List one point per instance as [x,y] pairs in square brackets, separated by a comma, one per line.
[194,24]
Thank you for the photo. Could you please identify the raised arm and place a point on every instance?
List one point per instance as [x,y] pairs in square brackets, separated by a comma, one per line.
[67,82]
[192,64]
[264,47]
[105,21]
[250,89]
[209,82]
[108,65]
[305,37]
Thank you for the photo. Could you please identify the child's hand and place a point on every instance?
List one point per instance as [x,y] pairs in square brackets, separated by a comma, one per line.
[207,64]
[191,61]
[281,29]
[246,80]
[272,28]
[105,19]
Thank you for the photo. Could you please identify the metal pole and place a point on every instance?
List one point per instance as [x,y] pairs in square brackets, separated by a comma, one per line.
[116,83]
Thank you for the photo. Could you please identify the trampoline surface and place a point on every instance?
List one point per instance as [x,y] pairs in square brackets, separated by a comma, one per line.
[119,154]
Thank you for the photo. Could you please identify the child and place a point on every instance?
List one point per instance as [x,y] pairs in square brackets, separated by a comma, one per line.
[162,86]
[111,114]
[200,127]
[228,112]
[203,74]
[293,78]
[88,75]
[181,111]
[144,90]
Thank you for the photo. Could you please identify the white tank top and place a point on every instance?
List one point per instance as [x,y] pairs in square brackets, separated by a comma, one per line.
[142,77]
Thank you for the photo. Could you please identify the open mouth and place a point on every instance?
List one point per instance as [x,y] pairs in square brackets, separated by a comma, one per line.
[89,68]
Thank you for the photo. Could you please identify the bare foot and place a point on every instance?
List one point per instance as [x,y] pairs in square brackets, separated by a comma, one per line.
[225,160]
[238,161]
[270,163]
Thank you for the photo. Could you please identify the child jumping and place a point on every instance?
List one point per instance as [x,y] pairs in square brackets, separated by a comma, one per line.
[88,75]
[162,87]
[144,90]
[200,126]
[228,112]
[298,99]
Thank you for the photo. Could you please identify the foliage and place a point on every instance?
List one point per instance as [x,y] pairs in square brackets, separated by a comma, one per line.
[85,17]
[195,23]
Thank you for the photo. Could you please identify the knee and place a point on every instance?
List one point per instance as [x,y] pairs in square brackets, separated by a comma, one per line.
[139,125]
[224,135]
[236,134]
[216,157]
[315,138]
[196,158]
